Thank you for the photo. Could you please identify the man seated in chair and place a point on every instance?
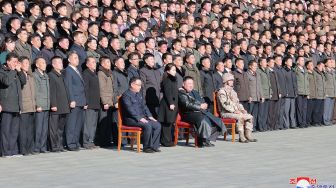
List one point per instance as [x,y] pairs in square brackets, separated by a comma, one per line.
[230,107]
[194,110]
[135,113]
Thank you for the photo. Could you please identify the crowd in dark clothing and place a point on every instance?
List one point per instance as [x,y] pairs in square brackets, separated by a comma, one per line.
[65,63]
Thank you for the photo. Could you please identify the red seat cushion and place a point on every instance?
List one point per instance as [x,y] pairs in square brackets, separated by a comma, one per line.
[183,124]
[131,128]
[229,120]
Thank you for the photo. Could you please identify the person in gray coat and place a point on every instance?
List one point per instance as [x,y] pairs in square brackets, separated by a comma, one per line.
[42,105]
[320,94]
[303,92]
[330,89]
[266,91]
[255,95]
[151,79]
[191,70]
[312,92]
[22,48]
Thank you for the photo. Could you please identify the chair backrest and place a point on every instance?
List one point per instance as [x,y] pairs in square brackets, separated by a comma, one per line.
[178,117]
[119,114]
[216,112]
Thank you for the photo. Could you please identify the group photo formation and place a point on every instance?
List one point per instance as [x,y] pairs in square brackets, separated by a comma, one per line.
[89,74]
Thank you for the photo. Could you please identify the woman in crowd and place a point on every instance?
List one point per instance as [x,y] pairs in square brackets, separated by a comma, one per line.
[168,104]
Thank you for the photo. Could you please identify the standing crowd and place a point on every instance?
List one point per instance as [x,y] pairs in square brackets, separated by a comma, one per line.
[67,66]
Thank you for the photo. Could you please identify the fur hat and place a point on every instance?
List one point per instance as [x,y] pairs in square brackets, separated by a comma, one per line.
[227,77]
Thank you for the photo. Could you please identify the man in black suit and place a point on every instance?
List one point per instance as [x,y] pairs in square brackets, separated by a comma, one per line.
[135,113]
[93,100]
[76,92]
[218,75]
[59,105]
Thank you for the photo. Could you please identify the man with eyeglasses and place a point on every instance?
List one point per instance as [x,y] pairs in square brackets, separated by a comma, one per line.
[133,69]
[135,113]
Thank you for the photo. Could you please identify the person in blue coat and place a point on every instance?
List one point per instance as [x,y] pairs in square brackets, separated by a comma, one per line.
[76,92]
[135,113]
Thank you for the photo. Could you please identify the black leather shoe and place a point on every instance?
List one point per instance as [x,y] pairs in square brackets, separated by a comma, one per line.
[208,144]
[148,150]
[73,149]
[245,141]
[156,150]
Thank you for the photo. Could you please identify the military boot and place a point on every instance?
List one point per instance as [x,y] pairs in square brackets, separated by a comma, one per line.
[248,135]
[242,138]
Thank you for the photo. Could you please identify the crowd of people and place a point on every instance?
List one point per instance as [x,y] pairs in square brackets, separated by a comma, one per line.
[66,63]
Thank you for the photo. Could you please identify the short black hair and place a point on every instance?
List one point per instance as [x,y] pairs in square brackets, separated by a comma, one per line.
[147,55]
[55,57]
[11,55]
[22,58]
[187,78]
[134,79]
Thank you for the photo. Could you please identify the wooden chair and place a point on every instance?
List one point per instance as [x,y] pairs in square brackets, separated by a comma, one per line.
[230,123]
[189,129]
[133,132]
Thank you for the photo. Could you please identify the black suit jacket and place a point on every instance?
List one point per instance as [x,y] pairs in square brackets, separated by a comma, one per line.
[58,93]
[92,90]
[218,81]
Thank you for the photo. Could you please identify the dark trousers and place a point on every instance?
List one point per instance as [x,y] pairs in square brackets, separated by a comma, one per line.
[27,133]
[253,109]
[289,113]
[245,105]
[75,122]
[273,115]
[334,113]
[301,110]
[263,115]
[210,106]
[166,134]
[104,131]
[41,131]
[328,110]
[90,125]
[282,102]
[10,126]
[318,111]
[310,110]
[150,134]
[56,129]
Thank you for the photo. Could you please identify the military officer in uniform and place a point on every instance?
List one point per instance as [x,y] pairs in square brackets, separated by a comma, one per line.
[230,107]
